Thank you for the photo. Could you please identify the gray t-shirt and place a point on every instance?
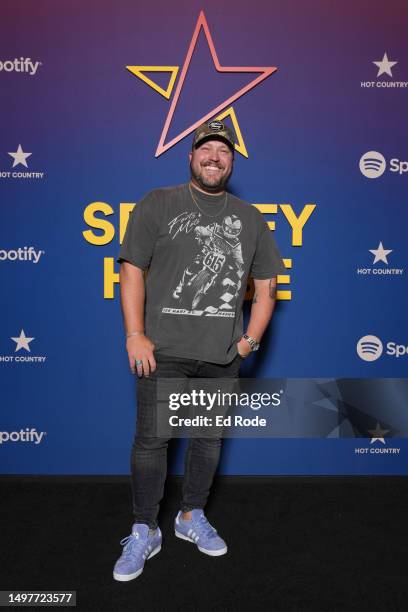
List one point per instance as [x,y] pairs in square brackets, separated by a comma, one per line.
[199,255]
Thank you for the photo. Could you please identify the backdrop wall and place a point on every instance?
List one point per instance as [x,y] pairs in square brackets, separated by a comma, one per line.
[98,102]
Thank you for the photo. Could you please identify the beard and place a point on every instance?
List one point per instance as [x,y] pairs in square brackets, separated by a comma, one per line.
[210,184]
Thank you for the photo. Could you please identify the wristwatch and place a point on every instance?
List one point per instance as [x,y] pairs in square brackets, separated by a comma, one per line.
[254,344]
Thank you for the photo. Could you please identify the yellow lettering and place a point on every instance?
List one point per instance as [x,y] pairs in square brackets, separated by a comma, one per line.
[283,295]
[125,209]
[110,278]
[106,226]
[284,279]
[297,223]
[270,209]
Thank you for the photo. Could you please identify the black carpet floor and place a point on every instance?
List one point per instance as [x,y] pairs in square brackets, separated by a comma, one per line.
[295,544]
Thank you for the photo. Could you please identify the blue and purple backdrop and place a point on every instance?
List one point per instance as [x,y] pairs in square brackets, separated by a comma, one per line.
[98,102]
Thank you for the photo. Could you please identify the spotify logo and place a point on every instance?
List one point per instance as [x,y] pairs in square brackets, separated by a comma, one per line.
[369,348]
[372,164]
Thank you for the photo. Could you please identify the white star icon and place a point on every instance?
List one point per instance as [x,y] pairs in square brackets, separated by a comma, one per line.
[378,434]
[384,67]
[22,342]
[20,157]
[380,254]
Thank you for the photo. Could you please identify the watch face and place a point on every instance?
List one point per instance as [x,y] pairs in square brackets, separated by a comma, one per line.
[252,343]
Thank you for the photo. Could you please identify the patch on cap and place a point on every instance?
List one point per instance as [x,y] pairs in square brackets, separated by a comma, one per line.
[216,126]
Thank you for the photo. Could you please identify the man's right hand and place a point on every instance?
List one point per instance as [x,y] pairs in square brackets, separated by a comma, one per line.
[141,348]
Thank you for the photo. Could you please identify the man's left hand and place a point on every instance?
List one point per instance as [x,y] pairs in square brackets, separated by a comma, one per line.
[243,348]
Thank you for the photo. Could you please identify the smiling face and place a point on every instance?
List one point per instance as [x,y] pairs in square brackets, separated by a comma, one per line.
[211,166]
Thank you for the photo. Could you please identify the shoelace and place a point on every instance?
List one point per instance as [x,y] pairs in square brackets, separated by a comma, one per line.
[207,529]
[131,544]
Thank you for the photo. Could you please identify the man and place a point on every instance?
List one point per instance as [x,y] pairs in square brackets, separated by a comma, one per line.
[199,245]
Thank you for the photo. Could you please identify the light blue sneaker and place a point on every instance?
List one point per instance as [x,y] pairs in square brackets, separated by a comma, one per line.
[138,547]
[200,532]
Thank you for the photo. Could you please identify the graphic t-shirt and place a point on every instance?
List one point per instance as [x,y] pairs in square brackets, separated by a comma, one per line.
[199,250]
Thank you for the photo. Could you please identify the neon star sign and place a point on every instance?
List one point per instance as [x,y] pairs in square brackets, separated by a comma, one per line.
[223,110]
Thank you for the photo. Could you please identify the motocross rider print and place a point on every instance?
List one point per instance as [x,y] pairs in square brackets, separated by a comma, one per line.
[210,284]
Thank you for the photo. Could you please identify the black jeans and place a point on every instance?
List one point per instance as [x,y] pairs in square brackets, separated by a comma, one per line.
[149,454]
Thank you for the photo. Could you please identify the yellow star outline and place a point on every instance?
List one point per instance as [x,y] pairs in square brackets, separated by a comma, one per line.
[240,145]
[139,70]
[229,112]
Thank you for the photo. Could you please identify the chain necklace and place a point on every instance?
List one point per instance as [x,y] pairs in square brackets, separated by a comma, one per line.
[202,211]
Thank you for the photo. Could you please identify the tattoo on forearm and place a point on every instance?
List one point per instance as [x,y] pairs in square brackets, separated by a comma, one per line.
[272,289]
[255,299]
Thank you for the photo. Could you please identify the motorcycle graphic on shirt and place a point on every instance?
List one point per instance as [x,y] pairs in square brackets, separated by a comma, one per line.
[211,283]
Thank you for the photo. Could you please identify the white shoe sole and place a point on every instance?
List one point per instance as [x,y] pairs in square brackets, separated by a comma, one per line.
[212,553]
[127,577]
